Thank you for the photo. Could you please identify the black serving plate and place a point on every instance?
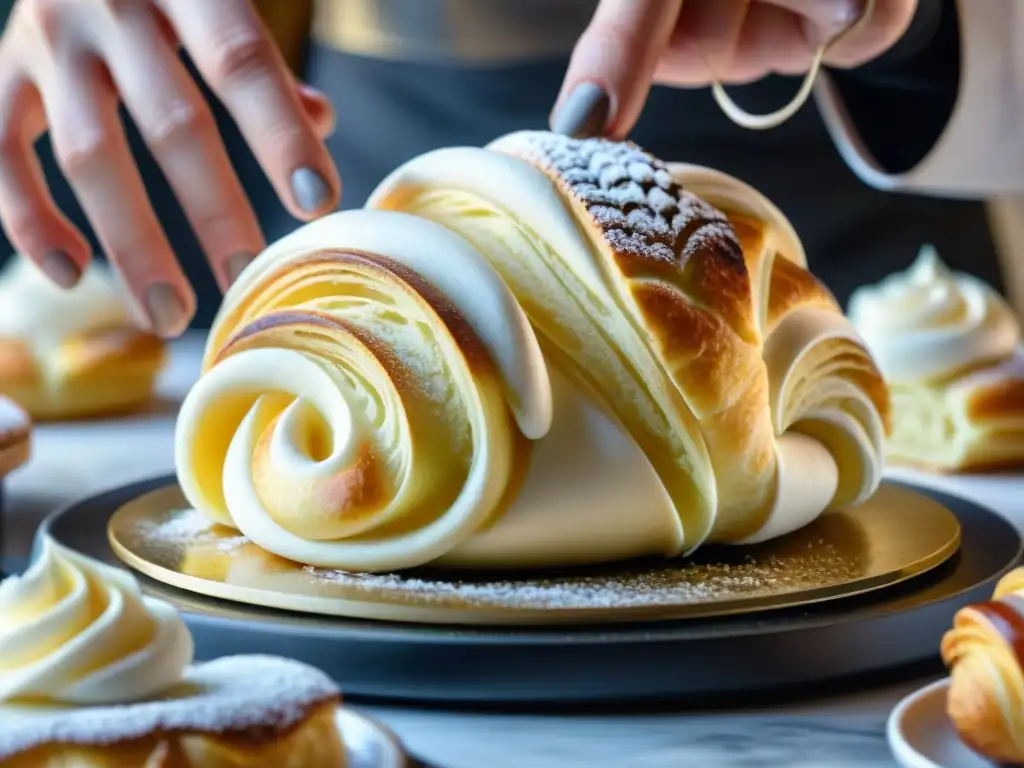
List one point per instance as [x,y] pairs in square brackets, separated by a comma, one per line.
[683,660]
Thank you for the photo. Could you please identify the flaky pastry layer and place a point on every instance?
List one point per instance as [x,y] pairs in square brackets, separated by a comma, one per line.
[972,422]
[542,353]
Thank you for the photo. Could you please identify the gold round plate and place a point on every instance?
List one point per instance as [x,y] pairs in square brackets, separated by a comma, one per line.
[894,536]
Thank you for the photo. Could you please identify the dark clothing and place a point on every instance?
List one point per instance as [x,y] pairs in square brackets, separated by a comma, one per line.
[391,111]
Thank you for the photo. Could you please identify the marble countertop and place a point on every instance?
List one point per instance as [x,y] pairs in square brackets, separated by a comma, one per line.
[73,460]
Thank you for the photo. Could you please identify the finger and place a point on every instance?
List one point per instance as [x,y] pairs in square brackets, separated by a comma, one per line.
[238,58]
[868,36]
[772,41]
[714,27]
[318,109]
[92,150]
[34,224]
[610,72]
[704,44]
[181,132]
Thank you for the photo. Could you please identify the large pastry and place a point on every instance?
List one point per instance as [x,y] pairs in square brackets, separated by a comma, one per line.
[985,652]
[547,352]
[950,348]
[68,354]
[95,675]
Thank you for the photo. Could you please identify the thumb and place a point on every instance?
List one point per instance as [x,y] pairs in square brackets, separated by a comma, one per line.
[612,66]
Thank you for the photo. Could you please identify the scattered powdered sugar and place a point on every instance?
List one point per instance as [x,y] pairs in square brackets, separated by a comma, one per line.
[817,557]
[642,210]
[262,697]
[655,584]
[192,527]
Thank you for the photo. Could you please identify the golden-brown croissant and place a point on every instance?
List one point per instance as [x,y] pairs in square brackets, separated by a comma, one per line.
[984,651]
[950,348]
[567,353]
[75,353]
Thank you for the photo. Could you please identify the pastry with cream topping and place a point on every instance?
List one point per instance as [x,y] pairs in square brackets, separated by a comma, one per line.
[67,354]
[93,674]
[983,651]
[546,352]
[950,348]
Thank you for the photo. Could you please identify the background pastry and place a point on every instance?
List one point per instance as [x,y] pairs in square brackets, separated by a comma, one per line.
[75,353]
[15,431]
[558,334]
[950,348]
[983,651]
[94,674]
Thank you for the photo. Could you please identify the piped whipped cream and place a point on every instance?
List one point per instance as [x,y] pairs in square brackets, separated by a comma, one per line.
[41,313]
[929,321]
[75,631]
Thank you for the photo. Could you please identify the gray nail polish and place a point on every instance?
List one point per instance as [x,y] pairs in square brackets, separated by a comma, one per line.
[584,113]
[236,264]
[165,308]
[59,267]
[311,190]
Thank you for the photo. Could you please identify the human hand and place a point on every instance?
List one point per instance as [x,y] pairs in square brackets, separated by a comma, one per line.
[631,44]
[65,65]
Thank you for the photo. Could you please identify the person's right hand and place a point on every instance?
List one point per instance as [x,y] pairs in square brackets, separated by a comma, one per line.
[65,64]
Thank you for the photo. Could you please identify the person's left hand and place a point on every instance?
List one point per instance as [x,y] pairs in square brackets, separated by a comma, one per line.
[631,44]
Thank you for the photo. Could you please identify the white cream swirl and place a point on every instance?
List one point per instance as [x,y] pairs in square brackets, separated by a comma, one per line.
[75,631]
[929,322]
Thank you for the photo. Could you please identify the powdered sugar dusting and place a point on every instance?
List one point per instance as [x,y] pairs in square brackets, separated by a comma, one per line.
[194,528]
[671,586]
[258,696]
[632,196]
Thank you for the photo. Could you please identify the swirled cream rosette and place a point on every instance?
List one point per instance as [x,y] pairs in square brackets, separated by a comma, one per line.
[950,348]
[541,353]
[74,631]
[94,674]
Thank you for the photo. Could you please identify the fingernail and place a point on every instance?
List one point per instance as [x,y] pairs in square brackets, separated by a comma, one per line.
[59,267]
[835,19]
[584,112]
[311,190]
[236,264]
[165,307]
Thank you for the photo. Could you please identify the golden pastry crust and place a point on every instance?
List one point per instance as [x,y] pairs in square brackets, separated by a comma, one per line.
[313,743]
[689,268]
[95,372]
[678,296]
[985,702]
[973,423]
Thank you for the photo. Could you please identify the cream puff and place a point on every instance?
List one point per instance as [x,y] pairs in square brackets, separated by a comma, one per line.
[93,674]
[950,348]
[67,354]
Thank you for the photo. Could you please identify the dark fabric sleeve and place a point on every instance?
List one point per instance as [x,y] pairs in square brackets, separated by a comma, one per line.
[902,101]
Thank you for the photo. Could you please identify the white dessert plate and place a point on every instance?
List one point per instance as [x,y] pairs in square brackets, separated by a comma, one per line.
[368,743]
[921,735]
